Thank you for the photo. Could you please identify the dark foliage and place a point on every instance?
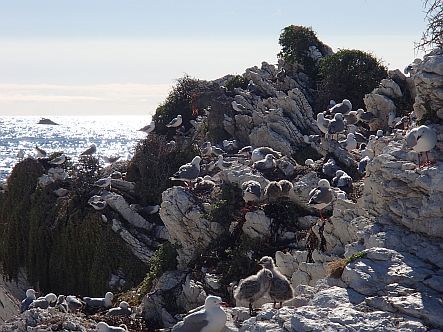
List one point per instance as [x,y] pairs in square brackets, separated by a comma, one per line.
[433,35]
[181,100]
[236,81]
[348,74]
[153,164]
[295,41]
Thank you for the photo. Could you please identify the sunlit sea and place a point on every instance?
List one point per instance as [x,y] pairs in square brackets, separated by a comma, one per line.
[113,135]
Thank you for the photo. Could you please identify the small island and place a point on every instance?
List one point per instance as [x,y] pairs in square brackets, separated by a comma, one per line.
[46,121]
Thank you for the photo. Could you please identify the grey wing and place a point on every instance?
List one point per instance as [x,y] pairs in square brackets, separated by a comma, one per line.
[411,140]
[248,289]
[187,171]
[280,288]
[255,189]
[321,196]
[192,323]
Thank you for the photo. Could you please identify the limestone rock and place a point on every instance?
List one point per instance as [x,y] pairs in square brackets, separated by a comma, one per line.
[257,225]
[428,81]
[186,223]
[192,294]
[139,249]
[119,204]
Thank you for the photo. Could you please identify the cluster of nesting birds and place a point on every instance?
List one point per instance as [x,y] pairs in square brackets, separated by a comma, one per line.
[73,304]
[339,119]
[268,282]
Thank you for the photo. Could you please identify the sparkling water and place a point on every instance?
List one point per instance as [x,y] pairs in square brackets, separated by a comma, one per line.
[113,135]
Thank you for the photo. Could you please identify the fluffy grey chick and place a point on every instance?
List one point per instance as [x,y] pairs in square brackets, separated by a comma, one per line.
[253,287]
[280,289]
[272,191]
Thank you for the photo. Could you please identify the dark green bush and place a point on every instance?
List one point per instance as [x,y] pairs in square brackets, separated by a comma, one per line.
[295,41]
[180,100]
[236,81]
[153,163]
[348,74]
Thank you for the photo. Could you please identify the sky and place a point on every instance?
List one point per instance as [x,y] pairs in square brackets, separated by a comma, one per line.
[100,57]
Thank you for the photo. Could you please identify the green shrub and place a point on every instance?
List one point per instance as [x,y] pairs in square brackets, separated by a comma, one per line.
[164,259]
[180,100]
[153,163]
[295,41]
[348,74]
[236,81]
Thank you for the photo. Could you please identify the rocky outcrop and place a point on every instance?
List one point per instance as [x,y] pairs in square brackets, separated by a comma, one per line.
[187,224]
[428,80]
[278,118]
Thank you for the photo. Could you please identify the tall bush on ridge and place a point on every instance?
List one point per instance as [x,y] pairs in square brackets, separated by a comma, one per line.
[295,41]
[348,74]
[180,100]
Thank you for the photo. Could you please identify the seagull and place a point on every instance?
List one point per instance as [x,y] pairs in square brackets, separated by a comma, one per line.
[40,152]
[89,151]
[351,117]
[253,288]
[261,152]
[358,136]
[188,172]
[238,107]
[204,184]
[97,202]
[229,145]
[280,289]
[116,175]
[104,327]
[350,143]
[223,164]
[21,154]
[111,159]
[342,180]
[281,74]
[251,191]
[329,168]
[61,304]
[309,162]
[30,297]
[265,164]
[365,116]
[344,107]
[176,122]
[58,160]
[149,128]
[74,304]
[421,139]
[361,167]
[246,151]
[206,149]
[272,191]
[337,125]
[323,123]
[332,103]
[122,310]
[321,196]
[103,183]
[99,302]
[217,151]
[211,318]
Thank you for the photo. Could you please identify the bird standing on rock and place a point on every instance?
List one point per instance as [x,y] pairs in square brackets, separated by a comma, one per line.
[321,196]
[175,122]
[211,318]
[253,288]
[149,128]
[188,172]
[421,139]
[350,143]
[337,125]
[30,297]
[99,302]
[89,151]
[280,289]
[344,107]
[265,164]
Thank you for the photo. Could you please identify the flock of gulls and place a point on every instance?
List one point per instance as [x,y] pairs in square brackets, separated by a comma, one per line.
[74,304]
[339,122]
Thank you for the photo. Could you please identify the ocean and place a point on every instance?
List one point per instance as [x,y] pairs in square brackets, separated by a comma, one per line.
[113,135]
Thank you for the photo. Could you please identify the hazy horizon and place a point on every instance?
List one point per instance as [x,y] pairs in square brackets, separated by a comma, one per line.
[122,57]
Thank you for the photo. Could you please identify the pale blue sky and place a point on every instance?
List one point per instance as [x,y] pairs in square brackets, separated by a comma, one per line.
[118,56]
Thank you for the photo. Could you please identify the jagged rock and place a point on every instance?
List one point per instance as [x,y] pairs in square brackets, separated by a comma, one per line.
[122,185]
[140,250]
[428,80]
[286,263]
[379,105]
[119,204]
[186,223]
[302,188]
[192,294]
[389,89]
[213,281]
[257,225]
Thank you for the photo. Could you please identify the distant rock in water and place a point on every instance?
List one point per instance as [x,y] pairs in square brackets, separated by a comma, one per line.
[46,121]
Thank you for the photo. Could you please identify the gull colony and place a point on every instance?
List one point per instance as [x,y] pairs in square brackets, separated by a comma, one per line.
[215,164]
